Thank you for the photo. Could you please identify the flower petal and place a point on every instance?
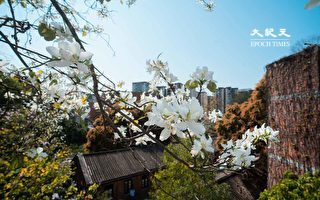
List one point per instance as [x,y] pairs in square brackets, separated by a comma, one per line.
[53,51]
[85,55]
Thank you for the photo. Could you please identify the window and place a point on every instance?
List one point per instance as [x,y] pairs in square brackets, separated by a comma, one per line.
[108,193]
[145,181]
[127,186]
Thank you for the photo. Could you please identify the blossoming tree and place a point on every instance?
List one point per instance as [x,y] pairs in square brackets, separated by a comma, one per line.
[64,75]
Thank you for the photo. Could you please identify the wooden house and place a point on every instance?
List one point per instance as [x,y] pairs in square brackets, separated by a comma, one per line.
[121,174]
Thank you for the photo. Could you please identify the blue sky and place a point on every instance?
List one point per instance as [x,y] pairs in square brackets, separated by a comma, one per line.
[188,36]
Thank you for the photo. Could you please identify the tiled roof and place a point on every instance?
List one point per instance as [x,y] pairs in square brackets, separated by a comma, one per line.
[110,165]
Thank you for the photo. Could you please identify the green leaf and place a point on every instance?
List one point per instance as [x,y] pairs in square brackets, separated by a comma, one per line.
[42,28]
[54,81]
[212,86]
[50,35]
[192,84]
[23,3]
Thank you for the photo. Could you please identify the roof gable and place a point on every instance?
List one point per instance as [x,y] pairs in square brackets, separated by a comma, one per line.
[111,165]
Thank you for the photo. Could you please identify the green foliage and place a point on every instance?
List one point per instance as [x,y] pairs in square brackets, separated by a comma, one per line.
[36,179]
[23,176]
[292,187]
[212,86]
[46,32]
[192,84]
[74,132]
[177,181]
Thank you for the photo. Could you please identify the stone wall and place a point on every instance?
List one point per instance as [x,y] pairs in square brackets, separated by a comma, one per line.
[294,109]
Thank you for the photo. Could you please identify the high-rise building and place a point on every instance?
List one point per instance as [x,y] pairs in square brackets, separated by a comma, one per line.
[225,96]
[140,86]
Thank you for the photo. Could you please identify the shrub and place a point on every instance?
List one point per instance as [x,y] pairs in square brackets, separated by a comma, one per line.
[176,181]
[293,187]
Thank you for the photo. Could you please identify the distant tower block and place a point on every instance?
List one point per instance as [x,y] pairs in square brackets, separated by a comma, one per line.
[294,109]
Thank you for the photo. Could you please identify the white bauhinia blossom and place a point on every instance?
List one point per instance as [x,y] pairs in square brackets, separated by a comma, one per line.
[122,117]
[144,139]
[202,74]
[202,144]
[122,130]
[37,153]
[228,145]
[239,153]
[265,133]
[215,115]
[176,118]
[242,158]
[160,72]
[10,95]
[273,135]
[191,112]
[127,99]
[55,196]
[146,99]
[140,140]
[69,54]
[2,66]
[96,106]
[156,66]
[62,32]
[134,128]
[163,115]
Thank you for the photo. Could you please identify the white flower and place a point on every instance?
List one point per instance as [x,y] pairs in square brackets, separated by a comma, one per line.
[140,140]
[134,128]
[215,115]
[238,153]
[265,133]
[122,131]
[37,153]
[176,118]
[10,95]
[96,105]
[144,139]
[156,66]
[128,98]
[273,135]
[202,74]
[63,32]
[160,72]
[2,66]
[69,54]
[125,112]
[227,146]
[202,144]
[242,157]
[55,196]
